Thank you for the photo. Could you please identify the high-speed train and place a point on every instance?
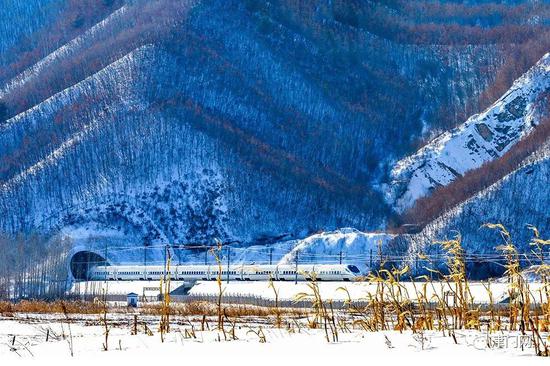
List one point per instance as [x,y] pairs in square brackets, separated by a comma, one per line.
[245,272]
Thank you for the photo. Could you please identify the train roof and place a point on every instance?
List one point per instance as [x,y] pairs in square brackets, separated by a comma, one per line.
[233,266]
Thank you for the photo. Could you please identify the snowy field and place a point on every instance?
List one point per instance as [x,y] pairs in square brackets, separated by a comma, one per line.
[288,290]
[252,336]
[355,290]
[290,345]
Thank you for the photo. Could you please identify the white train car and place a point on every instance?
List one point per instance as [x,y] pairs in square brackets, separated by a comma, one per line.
[244,272]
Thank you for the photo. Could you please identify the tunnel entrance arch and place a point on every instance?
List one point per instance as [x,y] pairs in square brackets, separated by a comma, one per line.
[82,261]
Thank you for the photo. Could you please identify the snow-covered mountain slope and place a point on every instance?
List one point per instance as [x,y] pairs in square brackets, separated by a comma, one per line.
[178,122]
[30,16]
[519,199]
[483,137]
[69,49]
[356,247]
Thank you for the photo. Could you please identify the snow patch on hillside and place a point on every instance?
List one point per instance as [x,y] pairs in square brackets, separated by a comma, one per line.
[482,138]
[354,245]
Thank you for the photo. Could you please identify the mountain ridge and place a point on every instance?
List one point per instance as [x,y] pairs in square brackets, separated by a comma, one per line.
[246,121]
[483,137]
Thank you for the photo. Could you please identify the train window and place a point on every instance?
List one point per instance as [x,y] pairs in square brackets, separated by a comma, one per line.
[353,269]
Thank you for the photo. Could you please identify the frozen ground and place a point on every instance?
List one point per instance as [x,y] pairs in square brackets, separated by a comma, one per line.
[209,347]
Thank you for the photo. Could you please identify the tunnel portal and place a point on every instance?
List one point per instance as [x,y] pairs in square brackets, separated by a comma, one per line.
[82,261]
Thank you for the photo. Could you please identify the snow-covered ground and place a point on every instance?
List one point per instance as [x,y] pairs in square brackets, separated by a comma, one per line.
[288,346]
[142,288]
[356,290]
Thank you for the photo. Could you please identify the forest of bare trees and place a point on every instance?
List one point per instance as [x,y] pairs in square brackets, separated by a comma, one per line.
[75,18]
[33,267]
[336,90]
[149,23]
